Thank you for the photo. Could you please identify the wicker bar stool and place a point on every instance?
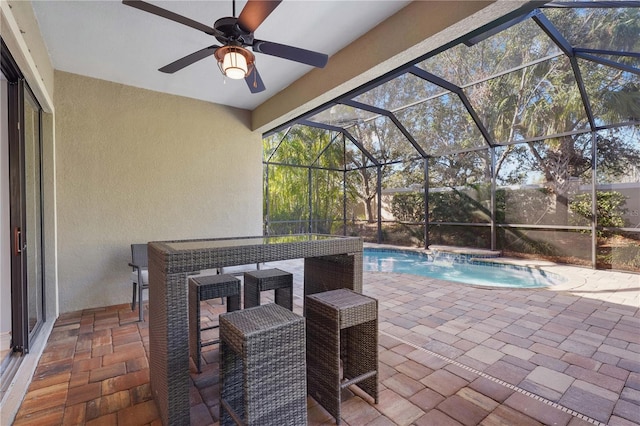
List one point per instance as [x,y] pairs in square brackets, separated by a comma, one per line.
[342,325]
[262,367]
[205,288]
[268,279]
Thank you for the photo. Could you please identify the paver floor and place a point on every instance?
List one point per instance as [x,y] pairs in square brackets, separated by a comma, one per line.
[450,354]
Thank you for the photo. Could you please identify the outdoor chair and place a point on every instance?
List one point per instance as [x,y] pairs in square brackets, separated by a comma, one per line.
[139,275]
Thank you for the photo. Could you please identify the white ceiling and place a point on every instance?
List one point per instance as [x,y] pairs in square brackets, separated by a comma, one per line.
[110,41]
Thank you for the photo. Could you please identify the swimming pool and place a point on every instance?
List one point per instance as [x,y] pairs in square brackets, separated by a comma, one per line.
[459,269]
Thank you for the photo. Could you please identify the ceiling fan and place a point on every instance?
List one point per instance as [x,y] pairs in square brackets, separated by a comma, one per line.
[235,35]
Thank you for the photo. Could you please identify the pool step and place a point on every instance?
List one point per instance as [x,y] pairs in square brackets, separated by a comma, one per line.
[469,252]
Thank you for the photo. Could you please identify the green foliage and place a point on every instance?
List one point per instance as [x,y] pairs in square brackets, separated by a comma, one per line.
[444,206]
[627,257]
[618,153]
[524,205]
[516,241]
[464,206]
[289,194]
[460,236]
[609,209]
[408,207]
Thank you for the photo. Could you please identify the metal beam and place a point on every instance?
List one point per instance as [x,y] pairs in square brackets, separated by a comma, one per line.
[492,201]
[591,4]
[379,206]
[564,45]
[309,184]
[267,230]
[594,201]
[495,30]
[553,33]
[607,52]
[523,10]
[344,132]
[609,63]
[325,149]
[476,119]
[344,202]
[419,72]
[583,92]
[432,78]
[280,143]
[392,117]
[426,203]
[373,84]
[303,166]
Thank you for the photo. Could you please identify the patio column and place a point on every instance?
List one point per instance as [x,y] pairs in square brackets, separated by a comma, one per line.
[492,153]
[379,194]
[267,231]
[310,227]
[594,202]
[344,202]
[426,202]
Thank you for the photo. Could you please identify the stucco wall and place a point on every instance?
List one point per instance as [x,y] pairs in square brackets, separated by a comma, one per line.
[135,166]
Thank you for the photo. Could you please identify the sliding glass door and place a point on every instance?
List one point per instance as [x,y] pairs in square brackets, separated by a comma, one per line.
[22,116]
[32,238]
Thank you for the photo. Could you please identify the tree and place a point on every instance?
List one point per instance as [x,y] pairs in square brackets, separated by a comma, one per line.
[543,98]
[525,93]
[289,192]
[382,140]
[408,207]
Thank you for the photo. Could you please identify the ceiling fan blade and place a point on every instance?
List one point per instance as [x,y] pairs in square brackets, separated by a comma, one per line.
[254,81]
[254,12]
[189,59]
[292,53]
[148,7]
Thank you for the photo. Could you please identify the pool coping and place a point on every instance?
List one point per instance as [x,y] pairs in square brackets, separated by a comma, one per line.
[571,280]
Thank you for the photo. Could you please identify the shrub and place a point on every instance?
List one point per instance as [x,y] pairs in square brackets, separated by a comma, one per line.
[609,209]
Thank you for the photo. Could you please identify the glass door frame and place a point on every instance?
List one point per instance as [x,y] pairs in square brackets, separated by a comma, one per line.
[16,91]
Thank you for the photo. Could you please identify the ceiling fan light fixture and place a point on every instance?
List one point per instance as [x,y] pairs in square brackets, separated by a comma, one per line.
[234,61]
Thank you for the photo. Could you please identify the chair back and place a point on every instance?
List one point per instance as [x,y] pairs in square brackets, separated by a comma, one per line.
[139,255]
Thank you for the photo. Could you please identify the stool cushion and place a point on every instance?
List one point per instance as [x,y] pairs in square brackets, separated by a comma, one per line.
[205,287]
[354,308]
[256,282]
[268,278]
[214,286]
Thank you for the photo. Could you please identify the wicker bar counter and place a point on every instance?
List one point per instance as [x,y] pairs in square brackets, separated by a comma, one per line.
[169,263]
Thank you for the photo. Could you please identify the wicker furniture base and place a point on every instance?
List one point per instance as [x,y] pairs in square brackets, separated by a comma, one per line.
[262,367]
[169,264]
[268,279]
[205,288]
[342,325]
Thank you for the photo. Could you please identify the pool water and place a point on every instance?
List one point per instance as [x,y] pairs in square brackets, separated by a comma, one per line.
[477,273]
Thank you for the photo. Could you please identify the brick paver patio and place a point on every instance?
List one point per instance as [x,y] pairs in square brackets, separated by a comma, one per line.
[450,354]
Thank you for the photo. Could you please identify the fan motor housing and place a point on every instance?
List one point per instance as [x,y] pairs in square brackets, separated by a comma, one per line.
[232,31]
